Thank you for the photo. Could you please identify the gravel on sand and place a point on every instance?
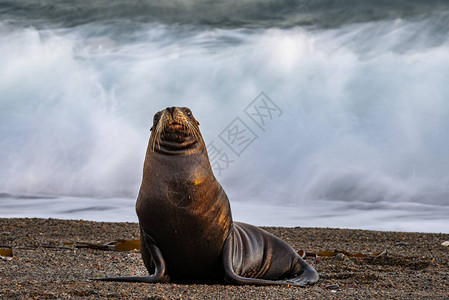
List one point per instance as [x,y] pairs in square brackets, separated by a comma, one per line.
[415,266]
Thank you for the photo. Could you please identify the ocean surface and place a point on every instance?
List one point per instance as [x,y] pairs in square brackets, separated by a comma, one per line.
[341,106]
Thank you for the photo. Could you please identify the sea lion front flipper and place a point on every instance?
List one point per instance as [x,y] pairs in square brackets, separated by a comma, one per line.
[152,256]
[247,247]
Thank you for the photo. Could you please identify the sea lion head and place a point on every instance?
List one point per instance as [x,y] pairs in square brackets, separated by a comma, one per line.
[175,131]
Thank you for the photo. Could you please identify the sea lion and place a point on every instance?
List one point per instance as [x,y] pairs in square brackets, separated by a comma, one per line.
[187,232]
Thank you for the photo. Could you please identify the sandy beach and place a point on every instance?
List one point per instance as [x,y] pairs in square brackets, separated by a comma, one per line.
[45,266]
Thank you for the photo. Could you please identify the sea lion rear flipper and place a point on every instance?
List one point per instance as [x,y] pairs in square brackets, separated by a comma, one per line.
[155,258]
[306,277]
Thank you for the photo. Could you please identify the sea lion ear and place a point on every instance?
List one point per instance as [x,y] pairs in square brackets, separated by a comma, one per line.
[151,129]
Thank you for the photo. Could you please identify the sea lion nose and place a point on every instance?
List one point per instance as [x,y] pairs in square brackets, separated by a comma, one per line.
[171,110]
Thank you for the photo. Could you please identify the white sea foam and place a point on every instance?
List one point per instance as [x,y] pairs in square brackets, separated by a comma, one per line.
[365,108]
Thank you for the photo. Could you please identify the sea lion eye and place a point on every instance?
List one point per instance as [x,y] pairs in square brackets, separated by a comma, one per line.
[188,112]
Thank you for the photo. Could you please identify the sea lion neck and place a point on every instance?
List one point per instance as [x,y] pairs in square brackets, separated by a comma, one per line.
[176,158]
[185,146]
[183,177]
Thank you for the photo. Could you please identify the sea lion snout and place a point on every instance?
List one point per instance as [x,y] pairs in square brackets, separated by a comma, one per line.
[171,109]
[174,116]
[171,112]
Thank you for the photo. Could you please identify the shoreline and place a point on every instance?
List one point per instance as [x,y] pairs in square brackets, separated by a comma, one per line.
[415,265]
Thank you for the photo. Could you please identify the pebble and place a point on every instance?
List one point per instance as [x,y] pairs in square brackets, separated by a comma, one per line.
[401,244]
[341,256]
[332,287]
[445,244]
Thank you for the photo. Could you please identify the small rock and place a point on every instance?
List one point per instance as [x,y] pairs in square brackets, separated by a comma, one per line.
[7,258]
[401,244]
[341,256]
[445,244]
[332,287]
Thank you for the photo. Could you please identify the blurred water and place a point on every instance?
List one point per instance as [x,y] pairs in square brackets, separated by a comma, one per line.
[362,141]
[318,213]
